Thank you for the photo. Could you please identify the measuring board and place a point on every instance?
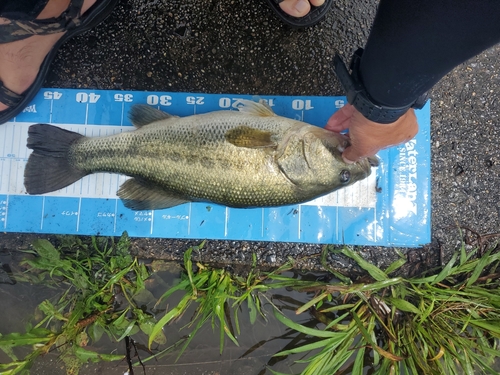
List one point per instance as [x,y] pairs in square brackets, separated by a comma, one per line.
[389,208]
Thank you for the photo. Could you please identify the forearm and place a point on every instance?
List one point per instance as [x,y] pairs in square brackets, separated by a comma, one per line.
[413,44]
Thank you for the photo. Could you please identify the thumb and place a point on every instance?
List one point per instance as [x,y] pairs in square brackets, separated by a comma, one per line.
[351,155]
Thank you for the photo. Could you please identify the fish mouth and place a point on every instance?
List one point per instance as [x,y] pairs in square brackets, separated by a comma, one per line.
[374,161]
[367,163]
[345,142]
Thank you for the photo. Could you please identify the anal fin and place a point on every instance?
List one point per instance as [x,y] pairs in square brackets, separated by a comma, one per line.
[137,195]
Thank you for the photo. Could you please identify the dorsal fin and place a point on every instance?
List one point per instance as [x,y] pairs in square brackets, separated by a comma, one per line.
[141,115]
[257,109]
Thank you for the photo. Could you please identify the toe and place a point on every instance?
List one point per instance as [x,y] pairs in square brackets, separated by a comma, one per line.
[317,3]
[296,8]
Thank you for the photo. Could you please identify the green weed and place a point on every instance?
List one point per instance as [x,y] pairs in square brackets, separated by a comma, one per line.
[94,275]
[437,324]
[219,295]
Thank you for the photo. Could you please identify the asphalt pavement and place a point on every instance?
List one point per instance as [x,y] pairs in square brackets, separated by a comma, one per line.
[237,46]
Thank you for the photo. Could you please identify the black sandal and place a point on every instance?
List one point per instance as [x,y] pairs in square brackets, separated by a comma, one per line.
[310,19]
[70,21]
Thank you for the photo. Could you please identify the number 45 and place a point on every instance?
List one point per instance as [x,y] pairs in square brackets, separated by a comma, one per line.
[49,95]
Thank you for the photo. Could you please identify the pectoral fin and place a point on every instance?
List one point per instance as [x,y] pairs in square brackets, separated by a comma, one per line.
[245,136]
[137,195]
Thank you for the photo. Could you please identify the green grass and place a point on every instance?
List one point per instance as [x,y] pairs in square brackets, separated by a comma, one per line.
[219,295]
[92,274]
[441,323]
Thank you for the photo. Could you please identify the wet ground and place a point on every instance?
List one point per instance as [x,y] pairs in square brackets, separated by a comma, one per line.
[240,47]
[257,343]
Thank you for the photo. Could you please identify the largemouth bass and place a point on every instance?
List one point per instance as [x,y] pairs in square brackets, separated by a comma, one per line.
[245,158]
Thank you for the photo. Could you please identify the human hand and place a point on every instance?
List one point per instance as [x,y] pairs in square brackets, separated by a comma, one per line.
[368,137]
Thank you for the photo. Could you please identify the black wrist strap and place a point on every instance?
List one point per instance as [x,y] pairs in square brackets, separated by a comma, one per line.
[360,99]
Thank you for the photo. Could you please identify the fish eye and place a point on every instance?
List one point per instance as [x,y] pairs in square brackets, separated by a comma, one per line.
[345,176]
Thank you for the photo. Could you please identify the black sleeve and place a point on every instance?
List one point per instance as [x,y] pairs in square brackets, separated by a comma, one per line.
[414,43]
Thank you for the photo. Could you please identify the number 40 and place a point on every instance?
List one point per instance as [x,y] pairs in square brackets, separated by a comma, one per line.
[83,97]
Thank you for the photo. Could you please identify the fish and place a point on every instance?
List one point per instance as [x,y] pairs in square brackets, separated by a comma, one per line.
[245,158]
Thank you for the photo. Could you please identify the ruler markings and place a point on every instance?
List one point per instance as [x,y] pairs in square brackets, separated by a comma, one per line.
[104,186]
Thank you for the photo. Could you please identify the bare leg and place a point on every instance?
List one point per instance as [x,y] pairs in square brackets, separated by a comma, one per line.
[21,60]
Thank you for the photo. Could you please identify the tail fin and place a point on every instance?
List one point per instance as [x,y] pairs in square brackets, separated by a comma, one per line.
[48,168]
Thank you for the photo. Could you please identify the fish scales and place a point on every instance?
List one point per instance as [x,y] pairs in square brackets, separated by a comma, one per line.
[185,156]
[245,158]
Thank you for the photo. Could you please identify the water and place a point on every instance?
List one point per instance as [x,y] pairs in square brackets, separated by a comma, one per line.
[258,342]
[254,355]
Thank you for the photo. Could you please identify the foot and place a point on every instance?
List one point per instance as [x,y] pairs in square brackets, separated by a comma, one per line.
[21,60]
[299,8]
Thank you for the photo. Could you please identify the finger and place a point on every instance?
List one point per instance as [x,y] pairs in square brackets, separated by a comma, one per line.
[340,120]
[345,156]
[352,154]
